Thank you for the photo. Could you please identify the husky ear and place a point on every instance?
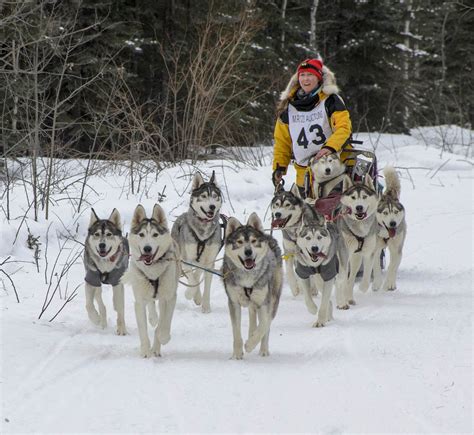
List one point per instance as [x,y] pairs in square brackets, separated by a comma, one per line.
[159,215]
[295,191]
[255,222]
[115,218]
[138,215]
[94,218]
[232,225]
[197,181]
[347,183]
[368,182]
[213,178]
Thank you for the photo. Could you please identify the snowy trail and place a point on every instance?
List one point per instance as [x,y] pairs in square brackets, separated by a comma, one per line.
[396,362]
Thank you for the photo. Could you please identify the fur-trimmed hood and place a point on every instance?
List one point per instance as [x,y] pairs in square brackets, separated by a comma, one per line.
[329,86]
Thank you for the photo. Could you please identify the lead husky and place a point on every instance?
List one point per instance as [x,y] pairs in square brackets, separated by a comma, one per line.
[320,249]
[358,229]
[154,273]
[287,211]
[392,230]
[252,275]
[105,261]
[328,174]
[198,234]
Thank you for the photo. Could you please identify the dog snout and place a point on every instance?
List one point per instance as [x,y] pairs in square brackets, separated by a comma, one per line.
[278,215]
[315,249]
[102,246]
[248,252]
[147,249]
[393,224]
[359,208]
[328,171]
[212,207]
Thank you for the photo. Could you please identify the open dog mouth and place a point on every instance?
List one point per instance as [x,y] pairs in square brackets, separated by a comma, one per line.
[249,263]
[392,232]
[103,253]
[315,257]
[209,214]
[280,223]
[147,258]
[360,215]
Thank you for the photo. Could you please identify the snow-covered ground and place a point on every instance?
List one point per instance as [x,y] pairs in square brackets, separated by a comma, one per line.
[396,362]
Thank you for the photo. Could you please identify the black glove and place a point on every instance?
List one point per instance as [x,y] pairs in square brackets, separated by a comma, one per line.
[277,175]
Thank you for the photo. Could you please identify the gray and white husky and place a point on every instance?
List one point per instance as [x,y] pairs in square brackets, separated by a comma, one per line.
[328,174]
[287,211]
[252,275]
[198,234]
[320,250]
[153,274]
[357,226]
[392,230]
[105,261]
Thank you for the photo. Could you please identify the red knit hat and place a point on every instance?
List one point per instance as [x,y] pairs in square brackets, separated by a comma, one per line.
[313,66]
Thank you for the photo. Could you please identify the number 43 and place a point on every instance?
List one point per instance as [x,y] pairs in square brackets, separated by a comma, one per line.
[320,138]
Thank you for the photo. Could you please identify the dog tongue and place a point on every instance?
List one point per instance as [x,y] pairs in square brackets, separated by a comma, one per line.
[146,258]
[249,263]
[278,223]
[392,232]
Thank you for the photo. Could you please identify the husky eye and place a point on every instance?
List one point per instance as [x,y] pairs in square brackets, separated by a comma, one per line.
[308,238]
[155,234]
[108,235]
[141,234]
[385,213]
[353,197]
[253,241]
[319,237]
[240,242]
[396,212]
[364,196]
[96,234]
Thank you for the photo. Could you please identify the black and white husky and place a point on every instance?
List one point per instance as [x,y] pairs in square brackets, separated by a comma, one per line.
[392,230]
[105,261]
[153,274]
[252,275]
[320,250]
[328,173]
[357,226]
[198,234]
[287,212]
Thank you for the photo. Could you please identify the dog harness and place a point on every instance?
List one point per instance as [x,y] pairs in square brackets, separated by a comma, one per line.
[327,271]
[96,278]
[201,244]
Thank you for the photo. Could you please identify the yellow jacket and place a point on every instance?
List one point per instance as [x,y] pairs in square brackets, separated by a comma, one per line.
[340,123]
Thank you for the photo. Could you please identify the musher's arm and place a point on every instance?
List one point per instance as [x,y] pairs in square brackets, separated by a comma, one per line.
[340,123]
[282,147]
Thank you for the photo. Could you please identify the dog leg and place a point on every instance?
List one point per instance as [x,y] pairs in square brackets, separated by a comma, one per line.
[140,313]
[252,319]
[291,275]
[236,320]
[206,297]
[308,298]
[264,320]
[119,307]
[323,315]
[197,298]
[395,260]
[192,283]
[368,267]
[91,311]
[264,351]
[152,314]
[377,282]
[341,282]
[163,331]
[355,262]
[102,310]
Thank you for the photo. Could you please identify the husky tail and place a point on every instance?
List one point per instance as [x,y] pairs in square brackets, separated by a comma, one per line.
[392,182]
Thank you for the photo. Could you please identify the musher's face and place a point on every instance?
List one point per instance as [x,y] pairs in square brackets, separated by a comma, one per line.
[308,81]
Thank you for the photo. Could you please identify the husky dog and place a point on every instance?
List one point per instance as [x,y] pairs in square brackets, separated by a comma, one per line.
[392,230]
[105,261]
[154,273]
[287,211]
[358,229]
[252,275]
[317,263]
[198,234]
[328,174]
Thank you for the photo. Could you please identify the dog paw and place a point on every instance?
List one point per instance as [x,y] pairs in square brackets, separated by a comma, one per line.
[390,287]
[314,292]
[164,338]
[237,355]
[295,291]
[94,316]
[364,286]
[206,309]
[319,324]
[352,302]
[157,353]
[145,352]
[103,322]
[197,298]
[264,352]
[189,293]
[343,307]
[121,330]
[250,345]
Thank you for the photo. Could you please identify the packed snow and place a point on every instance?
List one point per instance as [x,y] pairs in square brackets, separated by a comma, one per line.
[397,361]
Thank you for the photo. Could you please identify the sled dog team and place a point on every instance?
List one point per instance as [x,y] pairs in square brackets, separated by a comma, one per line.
[319,255]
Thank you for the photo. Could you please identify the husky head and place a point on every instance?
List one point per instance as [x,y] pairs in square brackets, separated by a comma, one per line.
[327,167]
[149,238]
[390,214]
[206,197]
[287,208]
[246,245]
[105,235]
[314,240]
[359,198]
